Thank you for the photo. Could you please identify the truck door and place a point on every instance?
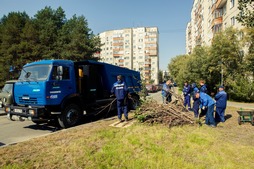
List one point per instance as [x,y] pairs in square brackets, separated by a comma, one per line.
[61,84]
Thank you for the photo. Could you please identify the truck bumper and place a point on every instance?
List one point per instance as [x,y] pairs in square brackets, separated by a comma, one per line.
[33,112]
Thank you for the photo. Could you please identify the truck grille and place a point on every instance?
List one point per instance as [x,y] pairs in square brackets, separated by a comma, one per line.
[31,100]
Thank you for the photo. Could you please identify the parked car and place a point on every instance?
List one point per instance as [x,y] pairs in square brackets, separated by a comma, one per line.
[159,87]
[151,88]
[6,94]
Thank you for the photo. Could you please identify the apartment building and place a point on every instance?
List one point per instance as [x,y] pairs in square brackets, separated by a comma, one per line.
[133,48]
[207,18]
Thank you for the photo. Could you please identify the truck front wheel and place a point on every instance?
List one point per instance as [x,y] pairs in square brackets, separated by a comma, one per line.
[70,116]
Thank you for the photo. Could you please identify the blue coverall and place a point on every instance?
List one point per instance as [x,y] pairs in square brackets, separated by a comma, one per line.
[195,101]
[221,104]
[186,94]
[207,101]
[203,89]
[120,90]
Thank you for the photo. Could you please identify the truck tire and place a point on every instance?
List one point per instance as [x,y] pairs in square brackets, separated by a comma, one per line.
[70,116]
[134,102]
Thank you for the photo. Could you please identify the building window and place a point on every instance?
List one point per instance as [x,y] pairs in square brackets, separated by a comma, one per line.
[232,3]
[233,21]
[241,34]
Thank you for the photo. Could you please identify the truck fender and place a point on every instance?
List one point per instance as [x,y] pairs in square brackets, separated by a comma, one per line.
[73,98]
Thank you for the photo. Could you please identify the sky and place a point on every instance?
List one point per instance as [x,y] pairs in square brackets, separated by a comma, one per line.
[170,16]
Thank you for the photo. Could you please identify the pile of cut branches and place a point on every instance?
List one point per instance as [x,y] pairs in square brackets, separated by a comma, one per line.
[171,114]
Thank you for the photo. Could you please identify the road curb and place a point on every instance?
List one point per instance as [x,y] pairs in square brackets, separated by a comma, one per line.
[2,113]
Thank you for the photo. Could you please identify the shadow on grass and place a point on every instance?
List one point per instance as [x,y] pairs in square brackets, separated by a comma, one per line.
[227,116]
[1,144]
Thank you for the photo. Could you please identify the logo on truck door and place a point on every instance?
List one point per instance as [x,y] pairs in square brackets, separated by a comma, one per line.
[53,96]
[54,92]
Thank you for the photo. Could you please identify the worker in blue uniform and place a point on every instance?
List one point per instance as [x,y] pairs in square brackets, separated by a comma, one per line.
[195,106]
[120,90]
[166,92]
[186,94]
[206,102]
[221,104]
[203,87]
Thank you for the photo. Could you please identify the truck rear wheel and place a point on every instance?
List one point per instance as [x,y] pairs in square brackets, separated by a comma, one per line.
[70,116]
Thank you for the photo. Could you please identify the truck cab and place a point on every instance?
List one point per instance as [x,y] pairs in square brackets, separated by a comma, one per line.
[64,90]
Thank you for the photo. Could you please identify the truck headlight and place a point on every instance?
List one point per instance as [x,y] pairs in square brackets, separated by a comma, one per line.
[7,109]
[32,112]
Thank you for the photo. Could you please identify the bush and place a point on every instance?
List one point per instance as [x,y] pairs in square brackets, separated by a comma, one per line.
[241,89]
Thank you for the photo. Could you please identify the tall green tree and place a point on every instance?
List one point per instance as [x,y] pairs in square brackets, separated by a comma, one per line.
[198,64]
[11,27]
[160,76]
[246,14]
[49,35]
[225,55]
[76,41]
[48,23]
[178,70]
[249,55]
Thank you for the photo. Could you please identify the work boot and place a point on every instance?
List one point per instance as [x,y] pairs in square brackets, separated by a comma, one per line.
[126,119]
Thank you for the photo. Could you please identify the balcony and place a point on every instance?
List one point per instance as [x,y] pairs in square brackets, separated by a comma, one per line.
[220,3]
[147,71]
[147,65]
[117,38]
[118,44]
[213,7]
[217,21]
[116,55]
[121,60]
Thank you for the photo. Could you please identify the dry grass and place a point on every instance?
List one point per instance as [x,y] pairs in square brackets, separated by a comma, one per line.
[97,145]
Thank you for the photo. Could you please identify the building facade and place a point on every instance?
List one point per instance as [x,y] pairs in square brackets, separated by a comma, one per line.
[207,18]
[133,48]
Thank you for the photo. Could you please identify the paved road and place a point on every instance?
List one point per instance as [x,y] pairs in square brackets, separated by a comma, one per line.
[12,132]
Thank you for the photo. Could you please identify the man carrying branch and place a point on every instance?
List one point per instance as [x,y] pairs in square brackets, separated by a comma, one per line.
[166,95]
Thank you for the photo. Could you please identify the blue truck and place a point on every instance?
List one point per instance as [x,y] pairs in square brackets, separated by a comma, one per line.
[65,90]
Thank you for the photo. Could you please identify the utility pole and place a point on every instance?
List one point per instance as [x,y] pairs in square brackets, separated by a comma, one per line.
[221,76]
[221,73]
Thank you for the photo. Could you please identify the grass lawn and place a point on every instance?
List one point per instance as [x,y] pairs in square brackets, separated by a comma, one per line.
[98,145]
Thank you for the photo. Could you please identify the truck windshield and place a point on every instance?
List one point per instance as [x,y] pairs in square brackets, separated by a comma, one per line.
[7,88]
[35,73]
